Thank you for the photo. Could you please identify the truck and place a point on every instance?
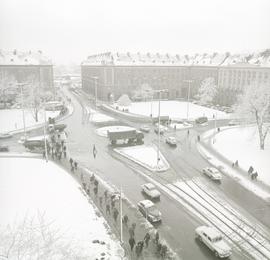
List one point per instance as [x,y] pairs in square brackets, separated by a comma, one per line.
[132,136]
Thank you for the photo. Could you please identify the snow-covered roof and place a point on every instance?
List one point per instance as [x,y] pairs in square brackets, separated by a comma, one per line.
[23,58]
[260,59]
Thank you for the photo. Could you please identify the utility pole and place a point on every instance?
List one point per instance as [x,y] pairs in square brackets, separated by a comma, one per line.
[121,213]
[188,81]
[44,132]
[158,129]
[21,85]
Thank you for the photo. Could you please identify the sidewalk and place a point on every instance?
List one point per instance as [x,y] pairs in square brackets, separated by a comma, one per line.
[225,166]
[85,177]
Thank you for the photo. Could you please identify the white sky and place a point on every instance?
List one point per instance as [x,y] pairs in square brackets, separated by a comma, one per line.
[70,30]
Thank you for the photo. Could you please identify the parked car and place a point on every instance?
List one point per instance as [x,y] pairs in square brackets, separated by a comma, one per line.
[149,210]
[145,128]
[150,190]
[203,121]
[213,240]
[213,173]
[4,148]
[171,141]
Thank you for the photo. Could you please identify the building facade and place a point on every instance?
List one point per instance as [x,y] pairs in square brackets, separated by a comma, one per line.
[117,74]
[26,67]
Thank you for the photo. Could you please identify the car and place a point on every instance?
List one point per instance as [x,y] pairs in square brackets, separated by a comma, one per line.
[145,128]
[149,210]
[213,240]
[213,173]
[150,190]
[171,141]
[187,124]
[4,148]
[203,121]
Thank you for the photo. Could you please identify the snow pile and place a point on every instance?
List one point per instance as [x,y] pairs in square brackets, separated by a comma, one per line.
[103,131]
[47,190]
[12,119]
[176,110]
[245,149]
[145,156]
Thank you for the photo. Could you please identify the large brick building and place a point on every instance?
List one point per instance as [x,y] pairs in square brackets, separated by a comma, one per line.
[26,67]
[117,73]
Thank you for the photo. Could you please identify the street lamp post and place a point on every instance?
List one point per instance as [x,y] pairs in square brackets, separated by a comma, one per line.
[44,132]
[121,213]
[21,85]
[188,81]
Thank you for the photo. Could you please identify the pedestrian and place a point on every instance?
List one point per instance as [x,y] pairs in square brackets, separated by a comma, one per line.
[65,154]
[62,143]
[250,170]
[146,239]
[94,151]
[157,237]
[131,242]
[236,163]
[255,175]
[198,138]
[96,182]
[159,246]
[218,129]
[72,168]
[100,201]
[115,214]
[44,154]
[141,244]
[131,232]
[188,132]
[108,210]
[96,190]
[106,194]
[60,156]
[137,250]
[164,250]
[53,154]
[112,203]
[125,220]
[76,165]
[92,178]
[71,161]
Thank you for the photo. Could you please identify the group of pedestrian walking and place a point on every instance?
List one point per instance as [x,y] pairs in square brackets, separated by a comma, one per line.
[253,174]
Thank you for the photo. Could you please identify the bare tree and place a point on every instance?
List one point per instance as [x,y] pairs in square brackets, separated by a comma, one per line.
[207,91]
[36,238]
[254,104]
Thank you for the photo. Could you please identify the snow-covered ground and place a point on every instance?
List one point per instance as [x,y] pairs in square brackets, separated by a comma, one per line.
[242,144]
[32,187]
[145,156]
[103,131]
[173,109]
[97,117]
[12,119]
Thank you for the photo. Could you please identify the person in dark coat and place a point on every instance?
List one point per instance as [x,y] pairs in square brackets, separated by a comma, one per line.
[146,239]
[76,165]
[108,210]
[157,237]
[131,242]
[250,170]
[131,232]
[71,161]
[125,220]
[115,214]
[96,190]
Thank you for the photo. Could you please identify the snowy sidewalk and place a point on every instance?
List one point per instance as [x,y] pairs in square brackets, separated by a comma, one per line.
[83,176]
[239,174]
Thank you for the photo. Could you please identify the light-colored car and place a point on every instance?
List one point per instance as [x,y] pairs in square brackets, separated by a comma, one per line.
[171,141]
[149,210]
[162,129]
[213,239]
[150,190]
[213,173]
[145,128]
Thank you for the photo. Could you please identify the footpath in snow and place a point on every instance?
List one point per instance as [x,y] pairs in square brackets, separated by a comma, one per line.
[239,143]
[176,110]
